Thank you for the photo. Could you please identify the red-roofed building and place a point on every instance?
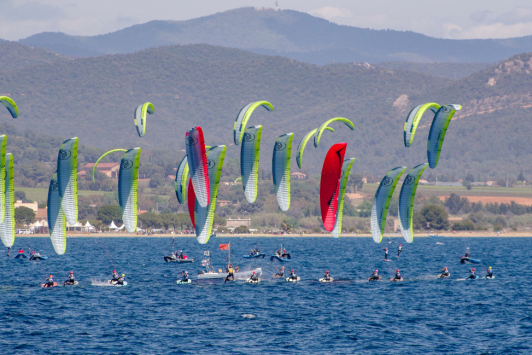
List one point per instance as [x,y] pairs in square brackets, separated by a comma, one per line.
[109,169]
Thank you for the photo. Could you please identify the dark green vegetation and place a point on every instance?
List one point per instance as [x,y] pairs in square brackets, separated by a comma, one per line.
[291,34]
[452,71]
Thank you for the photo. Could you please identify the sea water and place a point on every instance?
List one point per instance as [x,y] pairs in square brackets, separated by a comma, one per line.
[154,315]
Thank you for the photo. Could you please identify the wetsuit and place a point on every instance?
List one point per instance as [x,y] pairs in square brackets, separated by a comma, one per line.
[257,251]
[293,276]
[251,253]
[375,276]
[466,254]
[472,276]
[50,282]
[230,275]
[399,250]
[121,280]
[445,272]
[185,278]
[327,277]
[8,250]
[278,252]
[116,277]
[385,254]
[490,274]
[254,277]
[71,279]
[181,256]
[397,276]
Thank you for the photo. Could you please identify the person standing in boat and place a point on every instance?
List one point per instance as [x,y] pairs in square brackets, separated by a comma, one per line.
[278,252]
[230,275]
[399,249]
[466,254]
[257,251]
[385,253]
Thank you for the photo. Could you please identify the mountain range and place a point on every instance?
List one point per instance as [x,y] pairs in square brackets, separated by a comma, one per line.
[287,33]
[189,85]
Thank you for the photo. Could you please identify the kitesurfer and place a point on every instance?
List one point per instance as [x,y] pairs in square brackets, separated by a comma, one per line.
[254,277]
[472,274]
[8,250]
[327,277]
[121,280]
[280,273]
[385,253]
[71,279]
[397,276]
[230,275]
[50,281]
[489,273]
[399,248]
[293,275]
[445,272]
[237,268]
[116,277]
[185,277]
[375,276]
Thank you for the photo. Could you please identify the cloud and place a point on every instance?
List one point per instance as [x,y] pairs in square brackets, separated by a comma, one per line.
[30,11]
[480,16]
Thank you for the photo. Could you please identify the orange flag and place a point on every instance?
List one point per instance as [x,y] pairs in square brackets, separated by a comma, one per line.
[224,246]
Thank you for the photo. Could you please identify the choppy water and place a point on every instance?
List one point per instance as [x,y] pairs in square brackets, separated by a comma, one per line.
[153,315]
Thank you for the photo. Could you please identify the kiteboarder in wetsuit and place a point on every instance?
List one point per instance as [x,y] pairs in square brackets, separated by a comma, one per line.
[254,277]
[399,248]
[50,281]
[280,273]
[230,275]
[385,253]
[116,277]
[8,250]
[121,280]
[293,275]
[185,277]
[445,272]
[71,279]
[489,273]
[375,276]
[327,277]
[472,274]
[397,276]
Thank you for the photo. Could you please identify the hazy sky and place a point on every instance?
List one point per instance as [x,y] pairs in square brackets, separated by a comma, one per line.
[438,18]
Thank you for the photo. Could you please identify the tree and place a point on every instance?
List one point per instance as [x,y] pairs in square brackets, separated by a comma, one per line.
[364,209]
[521,176]
[24,215]
[156,180]
[434,215]
[453,203]
[356,181]
[241,230]
[150,220]
[286,227]
[470,178]
[108,213]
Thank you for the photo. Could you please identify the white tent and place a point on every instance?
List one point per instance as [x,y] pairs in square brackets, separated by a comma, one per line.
[88,225]
[113,226]
[37,224]
[122,227]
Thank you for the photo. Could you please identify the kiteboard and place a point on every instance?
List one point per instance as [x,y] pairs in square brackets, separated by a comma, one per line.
[395,280]
[326,281]
[289,279]
[488,278]
[372,279]
[114,283]
[250,281]
[387,260]
[66,283]
[182,282]
[254,256]
[46,285]
[441,276]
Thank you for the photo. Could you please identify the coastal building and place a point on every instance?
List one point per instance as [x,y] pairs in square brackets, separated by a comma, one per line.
[32,205]
[298,176]
[233,223]
[109,169]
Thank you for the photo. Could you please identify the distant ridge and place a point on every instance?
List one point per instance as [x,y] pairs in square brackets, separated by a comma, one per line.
[287,33]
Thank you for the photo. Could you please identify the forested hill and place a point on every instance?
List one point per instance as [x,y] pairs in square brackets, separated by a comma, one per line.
[292,34]
[94,99]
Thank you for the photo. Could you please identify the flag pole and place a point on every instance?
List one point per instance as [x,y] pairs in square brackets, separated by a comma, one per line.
[229,253]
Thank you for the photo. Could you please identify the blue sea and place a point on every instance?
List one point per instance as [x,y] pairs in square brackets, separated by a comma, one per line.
[154,315]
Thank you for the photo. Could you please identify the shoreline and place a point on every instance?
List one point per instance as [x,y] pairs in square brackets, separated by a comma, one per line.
[394,235]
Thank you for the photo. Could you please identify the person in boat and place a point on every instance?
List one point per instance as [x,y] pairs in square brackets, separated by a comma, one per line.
[230,274]
[181,255]
[399,249]
[257,251]
[445,272]
[327,276]
[397,276]
[185,277]
[489,272]
[252,252]
[278,252]
[375,276]
[71,279]
[254,277]
[121,280]
[116,277]
[50,281]
[385,253]
[280,273]
[466,254]
[472,274]
[293,275]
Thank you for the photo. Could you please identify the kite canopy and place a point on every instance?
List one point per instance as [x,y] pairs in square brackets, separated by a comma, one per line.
[10,105]
[381,202]
[191,203]
[243,117]
[127,188]
[346,170]
[282,152]
[437,132]
[67,162]
[181,178]
[413,118]
[249,162]
[303,143]
[204,216]
[140,115]
[321,129]
[56,217]
[406,201]
[3,141]
[330,184]
[7,227]
[197,163]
